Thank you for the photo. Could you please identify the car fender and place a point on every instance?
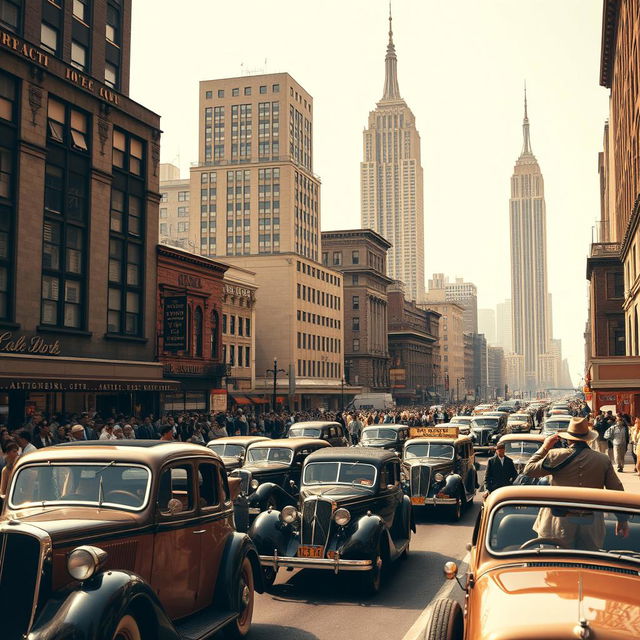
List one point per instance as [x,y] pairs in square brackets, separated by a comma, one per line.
[93,610]
[453,485]
[259,498]
[364,538]
[268,533]
[408,512]
[237,547]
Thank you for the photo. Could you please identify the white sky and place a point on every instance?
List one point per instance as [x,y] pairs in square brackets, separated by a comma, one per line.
[461,68]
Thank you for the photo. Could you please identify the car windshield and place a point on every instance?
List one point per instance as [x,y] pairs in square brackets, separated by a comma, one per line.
[429,450]
[521,447]
[515,528]
[227,450]
[305,432]
[516,418]
[106,484]
[353,473]
[460,420]
[485,422]
[379,434]
[553,426]
[279,455]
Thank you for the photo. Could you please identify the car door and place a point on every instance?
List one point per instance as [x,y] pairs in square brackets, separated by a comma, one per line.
[388,495]
[215,510]
[175,573]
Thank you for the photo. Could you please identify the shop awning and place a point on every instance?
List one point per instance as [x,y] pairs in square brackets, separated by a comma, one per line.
[240,399]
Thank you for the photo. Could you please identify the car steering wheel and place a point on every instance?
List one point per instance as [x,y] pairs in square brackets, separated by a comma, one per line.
[545,540]
[125,494]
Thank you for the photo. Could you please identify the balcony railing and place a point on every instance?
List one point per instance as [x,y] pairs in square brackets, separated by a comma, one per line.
[605,250]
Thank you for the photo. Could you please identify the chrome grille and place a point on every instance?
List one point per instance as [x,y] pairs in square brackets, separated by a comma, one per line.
[316,521]
[19,580]
[420,478]
[482,437]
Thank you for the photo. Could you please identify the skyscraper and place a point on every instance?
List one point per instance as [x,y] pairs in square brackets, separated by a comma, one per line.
[529,295]
[391,181]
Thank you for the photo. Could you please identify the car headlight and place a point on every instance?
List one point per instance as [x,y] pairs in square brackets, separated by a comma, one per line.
[84,561]
[289,514]
[342,517]
[438,477]
[254,484]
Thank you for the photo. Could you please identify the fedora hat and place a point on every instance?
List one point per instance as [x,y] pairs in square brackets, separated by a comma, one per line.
[578,430]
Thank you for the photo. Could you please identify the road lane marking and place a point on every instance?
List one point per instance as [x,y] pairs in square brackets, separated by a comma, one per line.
[416,632]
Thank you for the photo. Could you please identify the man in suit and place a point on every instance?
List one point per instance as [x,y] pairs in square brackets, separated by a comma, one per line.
[501,472]
[577,465]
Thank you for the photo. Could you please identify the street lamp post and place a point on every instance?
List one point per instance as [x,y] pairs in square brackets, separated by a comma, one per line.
[275,371]
[346,375]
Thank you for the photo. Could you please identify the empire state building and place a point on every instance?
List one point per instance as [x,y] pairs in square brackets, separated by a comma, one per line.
[529,295]
[391,181]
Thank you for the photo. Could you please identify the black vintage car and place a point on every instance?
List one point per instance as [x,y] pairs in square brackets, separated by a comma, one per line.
[233,449]
[387,436]
[333,432]
[440,472]
[352,515]
[486,430]
[270,476]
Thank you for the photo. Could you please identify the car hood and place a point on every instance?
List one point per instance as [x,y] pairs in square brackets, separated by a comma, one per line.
[377,442]
[231,462]
[542,603]
[435,463]
[265,468]
[336,492]
[77,522]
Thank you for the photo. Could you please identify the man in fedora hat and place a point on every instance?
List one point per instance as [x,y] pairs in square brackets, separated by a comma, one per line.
[577,465]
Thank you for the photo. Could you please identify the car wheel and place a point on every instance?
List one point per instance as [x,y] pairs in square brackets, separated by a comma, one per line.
[239,628]
[269,575]
[127,629]
[446,621]
[374,577]
[456,509]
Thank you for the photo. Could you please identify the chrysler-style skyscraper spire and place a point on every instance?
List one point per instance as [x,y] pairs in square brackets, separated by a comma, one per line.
[526,140]
[391,88]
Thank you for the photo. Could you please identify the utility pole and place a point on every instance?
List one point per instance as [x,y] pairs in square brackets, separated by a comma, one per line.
[275,371]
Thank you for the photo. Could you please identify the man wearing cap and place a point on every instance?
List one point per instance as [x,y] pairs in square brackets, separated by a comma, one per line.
[577,465]
[78,433]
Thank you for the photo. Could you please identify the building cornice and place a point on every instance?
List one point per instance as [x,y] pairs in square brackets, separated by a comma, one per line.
[348,234]
[190,258]
[610,12]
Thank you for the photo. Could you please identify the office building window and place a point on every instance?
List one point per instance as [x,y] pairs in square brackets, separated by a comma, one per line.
[111,75]
[355,279]
[247,91]
[232,354]
[208,95]
[183,212]
[183,227]
[235,92]
[10,15]
[183,196]
[81,10]
[355,324]
[220,93]
[337,258]
[163,212]
[78,55]
[247,330]
[112,27]
[355,257]
[232,325]
[126,242]
[356,344]
[355,302]
[49,38]
[275,88]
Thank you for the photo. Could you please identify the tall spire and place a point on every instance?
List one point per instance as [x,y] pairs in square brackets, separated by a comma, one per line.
[391,89]
[526,143]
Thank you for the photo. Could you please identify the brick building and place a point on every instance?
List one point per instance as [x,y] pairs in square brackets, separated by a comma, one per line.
[78,214]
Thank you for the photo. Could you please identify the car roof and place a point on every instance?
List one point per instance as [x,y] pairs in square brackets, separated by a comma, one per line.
[561,416]
[290,443]
[353,454]
[150,452]
[459,440]
[391,425]
[240,440]
[316,423]
[532,437]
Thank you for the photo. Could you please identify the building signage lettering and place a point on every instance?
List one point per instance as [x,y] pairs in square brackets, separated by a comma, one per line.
[74,385]
[40,57]
[234,290]
[185,280]
[175,323]
[186,369]
[34,345]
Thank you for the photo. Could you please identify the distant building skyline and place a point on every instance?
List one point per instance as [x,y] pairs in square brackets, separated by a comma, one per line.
[391,181]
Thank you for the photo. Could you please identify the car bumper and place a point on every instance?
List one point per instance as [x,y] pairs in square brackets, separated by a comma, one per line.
[336,564]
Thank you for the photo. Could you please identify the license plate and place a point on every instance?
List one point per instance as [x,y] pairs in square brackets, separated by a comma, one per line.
[417,499]
[310,552]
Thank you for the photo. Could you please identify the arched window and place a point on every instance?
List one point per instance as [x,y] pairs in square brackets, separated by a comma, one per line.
[215,329]
[197,331]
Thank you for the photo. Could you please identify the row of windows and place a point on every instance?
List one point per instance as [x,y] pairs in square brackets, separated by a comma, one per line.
[314,272]
[262,89]
[183,227]
[236,325]
[319,368]
[237,355]
[320,320]
[319,343]
[318,297]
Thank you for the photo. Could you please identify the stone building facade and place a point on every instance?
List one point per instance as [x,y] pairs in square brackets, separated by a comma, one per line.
[175,226]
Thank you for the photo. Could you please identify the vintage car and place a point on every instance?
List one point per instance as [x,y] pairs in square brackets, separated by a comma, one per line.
[440,472]
[583,584]
[352,515]
[125,540]
[333,432]
[385,436]
[233,449]
[521,446]
[463,423]
[486,431]
[270,476]
[482,408]
[553,424]
[519,423]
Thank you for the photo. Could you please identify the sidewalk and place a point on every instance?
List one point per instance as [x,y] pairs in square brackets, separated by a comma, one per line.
[630,478]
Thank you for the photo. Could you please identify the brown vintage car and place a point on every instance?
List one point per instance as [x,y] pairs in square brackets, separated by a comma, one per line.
[123,540]
[233,449]
[520,585]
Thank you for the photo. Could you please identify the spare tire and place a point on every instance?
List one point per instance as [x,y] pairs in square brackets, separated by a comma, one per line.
[446,622]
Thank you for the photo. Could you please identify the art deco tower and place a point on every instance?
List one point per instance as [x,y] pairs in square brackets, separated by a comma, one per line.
[529,299]
[391,181]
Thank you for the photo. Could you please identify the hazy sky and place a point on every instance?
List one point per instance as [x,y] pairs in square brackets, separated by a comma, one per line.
[461,67]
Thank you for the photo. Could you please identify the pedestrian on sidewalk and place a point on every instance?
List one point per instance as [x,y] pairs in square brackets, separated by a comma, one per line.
[634,437]
[600,426]
[618,436]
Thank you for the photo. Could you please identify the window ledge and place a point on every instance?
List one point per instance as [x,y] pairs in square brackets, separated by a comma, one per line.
[66,330]
[125,338]
[7,324]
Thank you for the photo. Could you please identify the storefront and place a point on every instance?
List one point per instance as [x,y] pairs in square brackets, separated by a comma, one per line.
[614,381]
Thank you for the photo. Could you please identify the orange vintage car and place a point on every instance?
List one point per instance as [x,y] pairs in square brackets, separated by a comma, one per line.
[123,540]
[548,563]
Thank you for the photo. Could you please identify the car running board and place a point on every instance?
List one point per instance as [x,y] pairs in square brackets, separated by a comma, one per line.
[203,624]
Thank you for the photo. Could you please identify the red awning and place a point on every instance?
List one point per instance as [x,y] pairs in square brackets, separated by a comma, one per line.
[240,400]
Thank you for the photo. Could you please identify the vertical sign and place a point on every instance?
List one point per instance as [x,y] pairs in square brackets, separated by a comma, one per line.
[218,400]
[175,323]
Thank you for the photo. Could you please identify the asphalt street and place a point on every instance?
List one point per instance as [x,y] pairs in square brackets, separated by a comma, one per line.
[309,605]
